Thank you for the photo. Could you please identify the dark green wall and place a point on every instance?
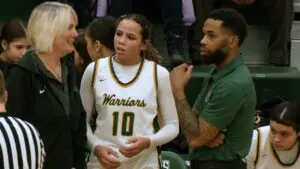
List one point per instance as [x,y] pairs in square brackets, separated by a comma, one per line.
[16,9]
[282,81]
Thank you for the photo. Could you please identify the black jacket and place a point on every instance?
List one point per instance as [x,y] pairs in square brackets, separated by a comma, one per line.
[4,68]
[31,98]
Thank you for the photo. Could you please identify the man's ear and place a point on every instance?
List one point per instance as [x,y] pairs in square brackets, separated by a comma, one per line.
[233,41]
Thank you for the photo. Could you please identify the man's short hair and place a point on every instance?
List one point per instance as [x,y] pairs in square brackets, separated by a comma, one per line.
[232,20]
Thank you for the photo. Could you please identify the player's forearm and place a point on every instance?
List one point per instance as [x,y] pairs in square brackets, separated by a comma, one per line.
[167,133]
[207,133]
[91,138]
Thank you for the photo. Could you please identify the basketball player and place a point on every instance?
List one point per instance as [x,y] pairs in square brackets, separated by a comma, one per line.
[277,146]
[127,90]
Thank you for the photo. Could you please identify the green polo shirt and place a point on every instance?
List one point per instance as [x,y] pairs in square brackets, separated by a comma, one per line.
[227,101]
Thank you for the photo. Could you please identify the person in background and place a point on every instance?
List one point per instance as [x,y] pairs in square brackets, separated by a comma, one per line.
[41,86]
[128,89]
[100,36]
[13,43]
[277,145]
[280,19]
[81,56]
[171,11]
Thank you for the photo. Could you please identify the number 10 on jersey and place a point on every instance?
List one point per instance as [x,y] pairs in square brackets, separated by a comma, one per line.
[127,123]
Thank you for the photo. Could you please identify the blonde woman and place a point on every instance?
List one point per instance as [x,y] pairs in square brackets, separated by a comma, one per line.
[42,86]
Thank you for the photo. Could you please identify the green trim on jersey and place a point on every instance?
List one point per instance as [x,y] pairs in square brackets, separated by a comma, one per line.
[95,72]
[115,77]
[155,120]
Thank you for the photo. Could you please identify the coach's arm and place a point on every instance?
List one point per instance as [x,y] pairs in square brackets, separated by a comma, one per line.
[202,126]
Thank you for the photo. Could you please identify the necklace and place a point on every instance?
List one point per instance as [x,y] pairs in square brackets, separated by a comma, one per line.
[57,74]
[282,163]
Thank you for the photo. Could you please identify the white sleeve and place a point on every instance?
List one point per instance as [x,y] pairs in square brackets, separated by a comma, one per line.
[87,98]
[167,110]
[251,157]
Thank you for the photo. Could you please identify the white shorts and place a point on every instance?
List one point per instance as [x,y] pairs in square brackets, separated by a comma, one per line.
[148,159]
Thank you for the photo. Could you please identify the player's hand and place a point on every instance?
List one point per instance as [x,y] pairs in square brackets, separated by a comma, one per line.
[107,157]
[217,141]
[134,146]
[180,77]
[244,2]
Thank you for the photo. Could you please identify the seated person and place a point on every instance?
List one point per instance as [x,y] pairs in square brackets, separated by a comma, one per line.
[277,146]
[280,13]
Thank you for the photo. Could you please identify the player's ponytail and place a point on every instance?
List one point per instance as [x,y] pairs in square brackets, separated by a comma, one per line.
[151,53]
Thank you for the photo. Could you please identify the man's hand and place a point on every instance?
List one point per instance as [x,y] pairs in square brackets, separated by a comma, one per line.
[217,141]
[244,2]
[180,77]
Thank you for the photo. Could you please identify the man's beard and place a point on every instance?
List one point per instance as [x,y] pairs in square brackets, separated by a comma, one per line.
[216,58]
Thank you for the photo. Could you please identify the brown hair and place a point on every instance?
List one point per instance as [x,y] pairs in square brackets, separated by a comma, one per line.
[151,53]
[12,30]
[81,47]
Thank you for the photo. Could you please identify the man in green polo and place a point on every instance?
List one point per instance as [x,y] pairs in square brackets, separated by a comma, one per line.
[226,103]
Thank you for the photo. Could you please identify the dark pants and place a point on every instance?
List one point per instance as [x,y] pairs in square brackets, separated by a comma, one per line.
[119,7]
[84,11]
[172,16]
[235,164]
[280,16]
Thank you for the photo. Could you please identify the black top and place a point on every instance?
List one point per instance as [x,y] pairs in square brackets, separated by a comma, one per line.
[4,68]
[60,89]
[33,96]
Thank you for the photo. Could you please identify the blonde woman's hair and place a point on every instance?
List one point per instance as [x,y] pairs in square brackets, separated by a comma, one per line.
[46,21]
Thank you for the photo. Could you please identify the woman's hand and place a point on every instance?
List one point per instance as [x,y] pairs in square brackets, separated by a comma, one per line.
[107,157]
[134,146]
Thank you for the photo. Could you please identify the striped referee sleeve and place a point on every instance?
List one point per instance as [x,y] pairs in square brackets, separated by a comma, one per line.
[20,145]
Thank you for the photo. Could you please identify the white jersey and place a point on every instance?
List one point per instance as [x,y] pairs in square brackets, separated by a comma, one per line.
[266,157]
[126,109]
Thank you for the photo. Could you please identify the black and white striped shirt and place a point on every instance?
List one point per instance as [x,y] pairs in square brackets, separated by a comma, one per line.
[20,144]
